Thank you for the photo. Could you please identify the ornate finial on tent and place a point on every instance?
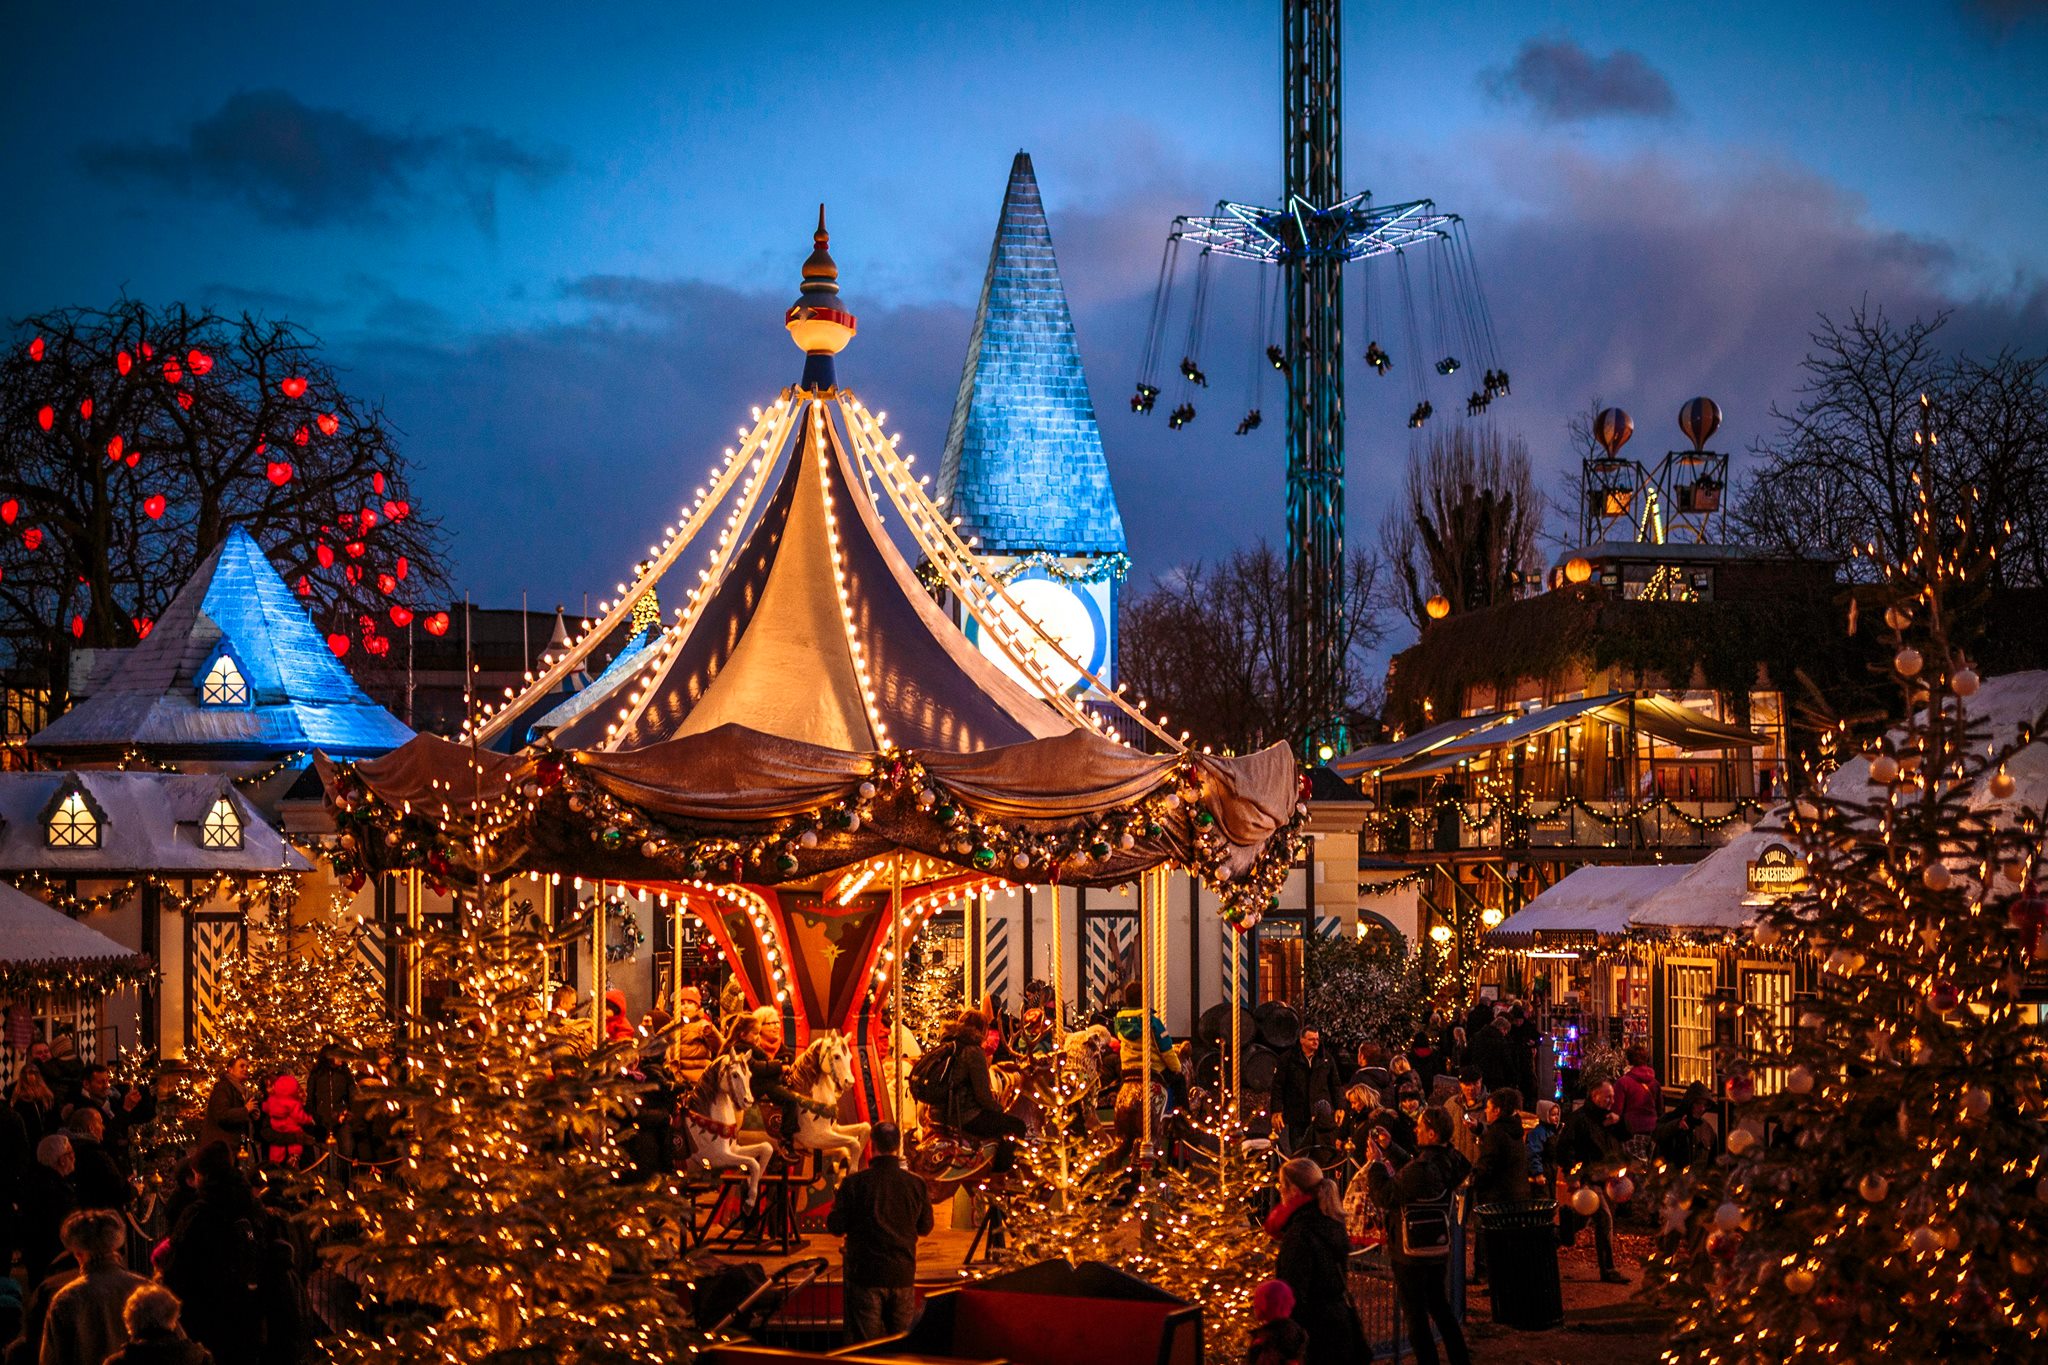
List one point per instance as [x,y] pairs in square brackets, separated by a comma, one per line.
[818,322]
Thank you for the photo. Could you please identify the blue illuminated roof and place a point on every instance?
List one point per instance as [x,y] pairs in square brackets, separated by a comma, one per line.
[300,695]
[1024,468]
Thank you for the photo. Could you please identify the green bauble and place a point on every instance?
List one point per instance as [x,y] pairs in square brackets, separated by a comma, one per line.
[947,814]
[785,863]
[612,837]
[984,857]
[1154,830]
[1205,818]
[1098,849]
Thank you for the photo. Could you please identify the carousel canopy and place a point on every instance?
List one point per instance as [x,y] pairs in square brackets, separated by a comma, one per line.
[810,706]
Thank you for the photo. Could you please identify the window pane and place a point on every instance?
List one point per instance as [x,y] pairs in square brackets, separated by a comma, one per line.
[1689,989]
[73,825]
[1767,995]
[221,828]
[224,684]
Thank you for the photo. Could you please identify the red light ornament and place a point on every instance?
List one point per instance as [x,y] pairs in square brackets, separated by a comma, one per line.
[295,387]
[32,538]
[339,644]
[11,509]
[114,449]
[377,483]
[400,616]
[386,584]
[143,626]
[46,417]
[401,568]
[35,348]
[174,373]
[325,554]
[355,549]
[148,351]
[78,627]
[437,624]
[200,361]
[153,506]
[278,472]
[185,401]
[378,645]
[328,423]
[305,586]
[354,573]
[124,362]
[302,436]
[85,409]
[367,519]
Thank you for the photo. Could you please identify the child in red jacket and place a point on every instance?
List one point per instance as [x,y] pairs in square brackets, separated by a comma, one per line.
[286,1119]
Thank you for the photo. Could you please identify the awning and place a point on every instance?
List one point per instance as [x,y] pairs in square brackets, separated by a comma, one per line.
[1375,758]
[1660,717]
[1446,757]
[1679,724]
[1595,902]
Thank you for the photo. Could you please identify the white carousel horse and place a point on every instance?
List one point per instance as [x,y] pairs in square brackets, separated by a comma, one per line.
[725,1092]
[822,1075]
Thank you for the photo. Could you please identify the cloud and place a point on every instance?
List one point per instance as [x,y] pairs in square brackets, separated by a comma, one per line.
[1564,83]
[2001,17]
[303,167]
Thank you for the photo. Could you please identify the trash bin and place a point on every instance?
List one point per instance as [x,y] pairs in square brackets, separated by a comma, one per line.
[1521,1259]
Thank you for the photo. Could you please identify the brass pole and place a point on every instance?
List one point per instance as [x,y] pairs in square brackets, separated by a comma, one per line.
[597,965]
[1230,1129]
[897,1029]
[1059,976]
[1147,912]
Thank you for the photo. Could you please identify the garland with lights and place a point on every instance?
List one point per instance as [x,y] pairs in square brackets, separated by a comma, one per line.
[623,935]
[73,977]
[473,838]
[1891,1200]
[274,888]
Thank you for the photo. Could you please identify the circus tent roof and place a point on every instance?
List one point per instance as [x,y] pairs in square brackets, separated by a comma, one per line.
[298,695]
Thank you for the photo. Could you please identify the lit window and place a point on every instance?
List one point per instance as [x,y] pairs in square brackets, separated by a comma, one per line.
[1689,993]
[224,684]
[1767,998]
[221,828]
[73,825]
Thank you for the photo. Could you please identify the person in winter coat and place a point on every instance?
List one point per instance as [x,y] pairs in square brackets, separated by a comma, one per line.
[1305,1074]
[94,1175]
[881,1211]
[35,1103]
[1686,1134]
[768,1073]
[83,1325]
[47,1199]
[285,1122]
[121,1112]
[1432,1176]
[1278,1339]
[1636,1094]
[618,1024]
[1501,1174]
[1426,1060]
[154,1337]
[330,1090]
[227,1109]
[1466,1105]
[971,1099]
[1540,1141]
[1314,1251]
[217,1262]
[697,1039]
[1526,1040]
[1589,1151]
[1494,1055]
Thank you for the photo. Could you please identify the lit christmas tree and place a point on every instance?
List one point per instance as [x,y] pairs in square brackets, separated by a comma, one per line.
[1891,1201]
[509,1229]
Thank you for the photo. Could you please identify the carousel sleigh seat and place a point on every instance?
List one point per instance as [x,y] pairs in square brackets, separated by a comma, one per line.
[1103,1317]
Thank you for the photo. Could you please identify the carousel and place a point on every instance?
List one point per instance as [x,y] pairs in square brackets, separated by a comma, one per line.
[811,758]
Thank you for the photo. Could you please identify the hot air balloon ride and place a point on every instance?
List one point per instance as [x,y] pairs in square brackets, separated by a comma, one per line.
[1698,477]
[1613,484]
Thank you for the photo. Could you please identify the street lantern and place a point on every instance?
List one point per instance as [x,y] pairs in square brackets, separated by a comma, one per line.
[1438,607]
[1578,569]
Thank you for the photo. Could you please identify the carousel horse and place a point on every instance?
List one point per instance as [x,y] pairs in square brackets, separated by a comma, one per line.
[822,1075]
[713,1121]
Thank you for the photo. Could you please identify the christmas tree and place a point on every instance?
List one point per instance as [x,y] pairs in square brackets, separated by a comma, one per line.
[510,1227]
[1890,1201]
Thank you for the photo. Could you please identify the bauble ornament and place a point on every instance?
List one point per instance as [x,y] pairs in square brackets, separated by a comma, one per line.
[1923,1240]
[1873,1187]
[1585,1201]
[1799,1080]
[1799,1280]
[1884,770]
[1965,682]
[1728,1216]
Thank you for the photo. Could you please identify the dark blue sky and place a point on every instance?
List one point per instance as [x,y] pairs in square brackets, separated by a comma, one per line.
[556,244]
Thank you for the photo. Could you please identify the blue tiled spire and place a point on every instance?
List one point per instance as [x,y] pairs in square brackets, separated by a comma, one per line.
[1023,467]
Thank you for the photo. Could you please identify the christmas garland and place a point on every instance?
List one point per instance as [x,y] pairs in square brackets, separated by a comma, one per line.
[246,888]
[622,933]
[1110,568]
[59,978]
[977,842]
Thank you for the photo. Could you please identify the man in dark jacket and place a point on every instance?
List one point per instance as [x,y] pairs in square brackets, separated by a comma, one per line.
[1306,1074]
[1432,1177]
[217,1261]
[330,1090]
[1494,1055]
[97,1179]
[47,1199]
[227,1109]
[1501,1174]
[122,1111]
[881,1211]
[1590,1152]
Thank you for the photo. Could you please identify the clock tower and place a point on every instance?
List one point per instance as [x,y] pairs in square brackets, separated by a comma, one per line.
[1024,469]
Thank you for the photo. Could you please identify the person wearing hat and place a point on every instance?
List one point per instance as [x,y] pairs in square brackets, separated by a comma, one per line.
[697,1039]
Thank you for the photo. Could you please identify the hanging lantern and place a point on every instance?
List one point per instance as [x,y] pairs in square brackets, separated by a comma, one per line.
[153,506]
[302,436]
[355,549]
[114,449]
[1438,607]
[200,361]
[278,472]
[46,417]
[85,409]
[185,401]
[295,387]
[32,538]
[379,645]
[386,584]
[437,624]
[328,423]
[9,510]
[148,351]
[366,518]
[396,511]
[339,644]
[1578,569]
[400,616]
[78,627]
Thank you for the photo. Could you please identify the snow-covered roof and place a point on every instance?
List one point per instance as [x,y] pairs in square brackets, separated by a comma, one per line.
[1713,893]
[149,822]
[32,933]
[1593,899]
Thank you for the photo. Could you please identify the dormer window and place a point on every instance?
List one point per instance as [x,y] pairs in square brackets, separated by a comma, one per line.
[222,827]
[74,823]
[223,684]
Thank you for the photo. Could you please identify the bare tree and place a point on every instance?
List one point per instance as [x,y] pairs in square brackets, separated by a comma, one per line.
[1207,645]
[1466,523]
[132,440]
[1838,474]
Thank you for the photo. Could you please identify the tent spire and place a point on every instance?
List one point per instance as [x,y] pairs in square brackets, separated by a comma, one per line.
[818,321]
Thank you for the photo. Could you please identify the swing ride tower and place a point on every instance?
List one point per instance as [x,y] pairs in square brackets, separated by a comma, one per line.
[1315,232]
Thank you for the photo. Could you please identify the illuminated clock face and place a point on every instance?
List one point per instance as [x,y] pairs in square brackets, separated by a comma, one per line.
[1062,613]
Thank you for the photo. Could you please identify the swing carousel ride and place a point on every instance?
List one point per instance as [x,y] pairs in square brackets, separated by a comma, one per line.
[810,757]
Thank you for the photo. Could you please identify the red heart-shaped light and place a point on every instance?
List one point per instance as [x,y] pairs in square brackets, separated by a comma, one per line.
[325,554]
[134,459]
[328,423]
[174,373]
[35,348]
[46,417]
[355,549]
[11,509]
[114,449]
[400,616]
[302,436]
[124,362]
[185,401]
[294,387]
[278,472]
[367,519]
[200,361]
[153,506]
[386,584]
[32,537]
[437,624]
[339,644]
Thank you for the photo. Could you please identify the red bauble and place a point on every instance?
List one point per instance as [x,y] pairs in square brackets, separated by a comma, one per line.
[35,349]
[200,361]
[437,624]
[46,417]
[339,644]
[153,506]
[400,616]
[328,423]
[294,387]
[124,362]
[325,554]
[548,772]
[1943,996]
